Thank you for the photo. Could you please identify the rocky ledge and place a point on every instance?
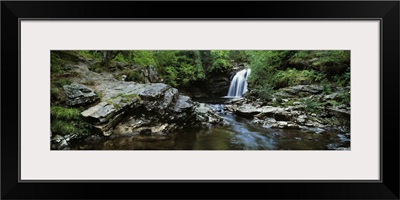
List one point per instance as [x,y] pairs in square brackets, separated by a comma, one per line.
[291,112]
[129,108]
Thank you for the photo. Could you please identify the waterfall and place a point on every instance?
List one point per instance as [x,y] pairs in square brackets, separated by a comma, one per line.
[239,84]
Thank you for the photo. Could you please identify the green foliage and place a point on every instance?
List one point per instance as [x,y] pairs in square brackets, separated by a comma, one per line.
[171,75]
[95,55]
[263,65]
[62,81]
[289,103]
[238,56]
[179,68]
[57,95]
[66,121]
[63,113]
[344,98]
[99,93]
[55,63]
[311,105]
[291,77]
[271,69]
[142,57]
[220,60]
[326,88]
[276,102]
[330,57]
[125,98]
[342,80]
[97,67]
[120,58]
[131,75]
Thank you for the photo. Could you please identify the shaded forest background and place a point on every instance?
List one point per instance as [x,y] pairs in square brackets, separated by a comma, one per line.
[191,70]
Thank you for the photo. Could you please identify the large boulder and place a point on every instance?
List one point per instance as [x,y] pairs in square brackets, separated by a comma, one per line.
[78,95]
[299,91]
[247,110]
[154,109]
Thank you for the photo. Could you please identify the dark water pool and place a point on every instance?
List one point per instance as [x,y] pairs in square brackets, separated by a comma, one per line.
[240,134]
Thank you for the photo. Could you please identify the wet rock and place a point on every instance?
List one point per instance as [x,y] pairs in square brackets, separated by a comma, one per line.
[132,108]
[247,110]
[298,91]
[282,124]
[313,89]
[78,95]
[183,104]
[239,100]
[301,119]
[59,142]
[332,146]
[204,113]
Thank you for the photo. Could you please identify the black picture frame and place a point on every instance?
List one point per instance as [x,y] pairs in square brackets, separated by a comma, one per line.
[386,11]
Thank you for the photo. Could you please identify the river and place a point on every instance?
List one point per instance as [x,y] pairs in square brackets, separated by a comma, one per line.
[239,134]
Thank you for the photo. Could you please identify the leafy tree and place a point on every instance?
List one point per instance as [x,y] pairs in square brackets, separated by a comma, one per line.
[220,60]
[108,56]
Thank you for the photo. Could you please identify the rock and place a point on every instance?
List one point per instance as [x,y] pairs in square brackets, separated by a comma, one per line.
[301,119]
[57,138]
[333,96]
[100,112]
[293,90]
[293,126]
[78,95]
[204,113]
[247,110]
[257,121]
[332,146]
[183,104]
[282,123]
[239,100]
[313,89]
[230,108]
[299,91]
[59,142]
[123,77]
[151,75]
[218,85]
[199,94]
[130,108]
[343,149]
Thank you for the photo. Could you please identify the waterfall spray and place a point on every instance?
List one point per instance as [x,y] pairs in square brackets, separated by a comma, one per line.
[239,83]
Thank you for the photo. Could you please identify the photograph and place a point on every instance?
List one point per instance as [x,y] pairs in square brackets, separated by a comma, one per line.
[298,97]
[214,99]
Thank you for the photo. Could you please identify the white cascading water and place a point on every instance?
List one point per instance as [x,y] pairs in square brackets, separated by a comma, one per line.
[239,83]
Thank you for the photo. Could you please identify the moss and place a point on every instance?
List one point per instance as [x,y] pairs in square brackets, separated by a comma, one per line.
[67,121]
[129,97]
[291,77]
[311,105]
[62,113]
[62,81]
[289,103]
[57,95]
[131,75]
[125,98]
[99,93]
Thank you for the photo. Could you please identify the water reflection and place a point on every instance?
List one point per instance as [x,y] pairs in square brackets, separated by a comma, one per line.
[240,134]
